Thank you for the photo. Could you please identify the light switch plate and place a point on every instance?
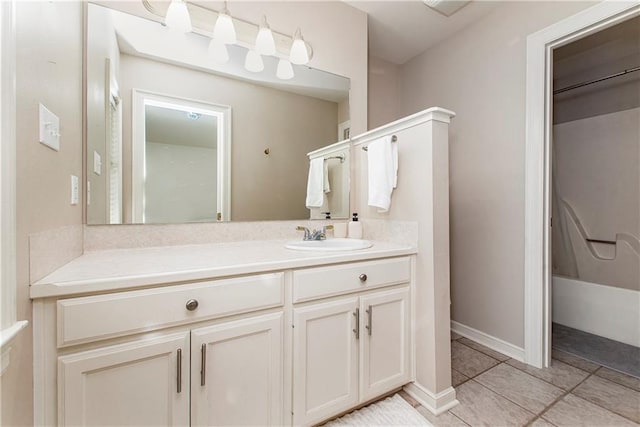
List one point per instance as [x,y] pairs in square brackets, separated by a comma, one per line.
[49,128]
[75,190]
[97,163]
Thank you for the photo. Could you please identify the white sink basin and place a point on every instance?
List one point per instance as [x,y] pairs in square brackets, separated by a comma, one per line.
[335,244]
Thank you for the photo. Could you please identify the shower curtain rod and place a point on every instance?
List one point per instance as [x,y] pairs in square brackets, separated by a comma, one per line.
[576,86]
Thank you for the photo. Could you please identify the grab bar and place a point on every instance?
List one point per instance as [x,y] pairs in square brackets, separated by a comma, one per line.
[608,242]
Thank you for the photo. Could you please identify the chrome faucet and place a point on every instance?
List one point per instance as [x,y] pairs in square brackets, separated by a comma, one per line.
[320,234]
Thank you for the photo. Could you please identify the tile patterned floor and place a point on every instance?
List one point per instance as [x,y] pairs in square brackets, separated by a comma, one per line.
[494,390]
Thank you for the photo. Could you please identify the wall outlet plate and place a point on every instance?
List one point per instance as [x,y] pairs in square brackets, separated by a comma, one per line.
[49,128]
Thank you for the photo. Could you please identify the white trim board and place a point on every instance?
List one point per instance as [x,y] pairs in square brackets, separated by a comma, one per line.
[435,403]
[487,340]
[537,262]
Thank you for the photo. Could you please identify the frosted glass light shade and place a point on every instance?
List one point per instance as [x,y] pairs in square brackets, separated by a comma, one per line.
[178,17]
[224,31]
[218,51]
[253,62]
[299,54]
[265,45]
[284,70]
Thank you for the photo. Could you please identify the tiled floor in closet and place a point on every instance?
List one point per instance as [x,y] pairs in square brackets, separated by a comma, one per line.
[495,390]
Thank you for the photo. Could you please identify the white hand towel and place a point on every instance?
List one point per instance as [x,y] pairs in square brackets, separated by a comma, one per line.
[326,186]
[315,183]
[382,161]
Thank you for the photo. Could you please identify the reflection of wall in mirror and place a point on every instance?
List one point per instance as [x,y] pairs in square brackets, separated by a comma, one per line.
[103,58]
[262,187]
[178,178]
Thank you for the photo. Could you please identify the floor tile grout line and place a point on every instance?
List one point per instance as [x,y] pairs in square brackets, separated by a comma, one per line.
[537,413]
[615,382]
[599,405]
[505,397]
[548,382]
[555,401]
[559,398]
[480,351]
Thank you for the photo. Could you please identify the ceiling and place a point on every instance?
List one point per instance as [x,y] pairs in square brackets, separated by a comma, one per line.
[173,126]
[400,30]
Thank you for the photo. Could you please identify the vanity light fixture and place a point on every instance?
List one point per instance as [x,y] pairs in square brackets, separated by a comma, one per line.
[253,62]
[265,45]
[289,50]
[224,30]
[284,70]
[299,54]
[178,17]
[218,51]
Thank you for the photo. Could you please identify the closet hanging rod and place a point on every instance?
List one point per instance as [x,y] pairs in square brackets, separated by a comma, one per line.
[393,139]
[576,86]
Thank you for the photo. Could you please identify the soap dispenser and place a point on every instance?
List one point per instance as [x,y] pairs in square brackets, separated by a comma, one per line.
[355,227]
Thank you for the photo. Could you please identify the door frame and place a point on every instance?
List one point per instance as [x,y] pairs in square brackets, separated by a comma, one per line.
[539,110]
[222,112]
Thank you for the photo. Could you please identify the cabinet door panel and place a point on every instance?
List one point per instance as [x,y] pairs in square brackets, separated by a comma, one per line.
[131,384]
[385,357]
[243,375]
[325,352]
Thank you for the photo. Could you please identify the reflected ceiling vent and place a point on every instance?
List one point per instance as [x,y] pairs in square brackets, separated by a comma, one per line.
[446,7]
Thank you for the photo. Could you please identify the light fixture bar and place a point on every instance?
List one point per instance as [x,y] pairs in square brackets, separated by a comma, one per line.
[203,20]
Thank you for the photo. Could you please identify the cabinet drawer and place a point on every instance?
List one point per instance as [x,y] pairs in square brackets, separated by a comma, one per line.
[105,316]
[322,282]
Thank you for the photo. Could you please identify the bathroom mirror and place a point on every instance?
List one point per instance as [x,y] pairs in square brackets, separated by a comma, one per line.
[172,136]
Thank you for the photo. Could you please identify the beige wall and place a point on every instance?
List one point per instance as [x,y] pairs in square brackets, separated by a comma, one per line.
[49,54]
[384,92]
[480,74]
[290,125]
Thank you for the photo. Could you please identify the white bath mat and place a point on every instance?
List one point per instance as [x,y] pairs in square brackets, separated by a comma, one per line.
[392,411]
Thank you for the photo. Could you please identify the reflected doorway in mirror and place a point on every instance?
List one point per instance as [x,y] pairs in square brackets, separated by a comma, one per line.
[180,159]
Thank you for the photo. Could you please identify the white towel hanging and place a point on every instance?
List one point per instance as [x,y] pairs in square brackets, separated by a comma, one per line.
[315,183]
[382,162]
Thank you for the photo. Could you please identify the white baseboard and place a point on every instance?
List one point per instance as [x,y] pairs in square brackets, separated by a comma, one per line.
[436,403]
[487,340]
[606,311]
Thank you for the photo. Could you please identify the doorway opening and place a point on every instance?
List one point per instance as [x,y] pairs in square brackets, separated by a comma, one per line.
[180,160]
[595,198]
[538,164]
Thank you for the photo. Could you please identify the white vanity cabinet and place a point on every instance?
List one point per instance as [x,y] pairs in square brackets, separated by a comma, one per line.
[138,383]
[210,373]
[236,373]
[293,346]
[351,349]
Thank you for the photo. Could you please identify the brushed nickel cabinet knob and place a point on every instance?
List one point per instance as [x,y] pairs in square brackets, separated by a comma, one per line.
[192,304]
[363,277]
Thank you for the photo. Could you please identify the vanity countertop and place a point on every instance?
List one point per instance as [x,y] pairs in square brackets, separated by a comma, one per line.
[134,268]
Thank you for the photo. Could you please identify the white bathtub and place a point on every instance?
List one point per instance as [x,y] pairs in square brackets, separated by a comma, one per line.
[602,310]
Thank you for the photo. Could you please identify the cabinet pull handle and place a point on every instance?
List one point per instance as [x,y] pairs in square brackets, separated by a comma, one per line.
[203,369]
[357,329]
[179,379]
[369,320]
[363,277]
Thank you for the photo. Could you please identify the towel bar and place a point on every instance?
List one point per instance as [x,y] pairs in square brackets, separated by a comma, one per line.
[393,139]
